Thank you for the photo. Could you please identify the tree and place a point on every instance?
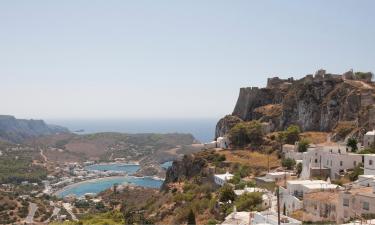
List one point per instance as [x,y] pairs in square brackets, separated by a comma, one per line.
[246,133]
[291,134]
[299,168]
[191,218]
[288,163]
[248,201]
[352,144]
[303,145]
[358,170]
[226,193]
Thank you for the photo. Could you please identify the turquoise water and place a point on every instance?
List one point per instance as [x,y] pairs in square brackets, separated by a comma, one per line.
[97,186]
[129,168]
[166,165]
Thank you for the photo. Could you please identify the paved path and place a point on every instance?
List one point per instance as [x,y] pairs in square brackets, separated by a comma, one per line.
[43,156]
[55,212]
[68,208]
[30,217]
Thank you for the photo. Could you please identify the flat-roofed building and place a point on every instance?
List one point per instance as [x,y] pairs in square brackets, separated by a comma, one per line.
[332,161]
[291,198]
[320,206]
[221,179]
[369,138]
[356,203]
[270,217]
[369,164]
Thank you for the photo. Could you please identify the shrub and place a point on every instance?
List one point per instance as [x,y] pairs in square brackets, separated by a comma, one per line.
[288,163]
[299,168]
[303,145]
[291,134]
[352,143]
[248,201]
[358,170]
[226,193]
[367,151]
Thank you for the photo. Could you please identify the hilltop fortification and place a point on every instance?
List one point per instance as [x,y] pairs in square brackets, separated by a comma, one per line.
[319,102]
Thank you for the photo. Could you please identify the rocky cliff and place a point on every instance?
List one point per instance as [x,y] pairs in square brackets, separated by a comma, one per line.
[322,102]
[18,130]
[185,168]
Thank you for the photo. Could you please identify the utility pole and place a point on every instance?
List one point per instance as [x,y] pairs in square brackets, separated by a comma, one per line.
[278,205]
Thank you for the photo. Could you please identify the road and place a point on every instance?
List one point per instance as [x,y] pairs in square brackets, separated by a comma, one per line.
[30,217]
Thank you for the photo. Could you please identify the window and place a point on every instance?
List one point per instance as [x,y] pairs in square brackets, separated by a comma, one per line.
[340,163]
[355,163]
[316,160]
[346,202]
[370,162]
[366,206]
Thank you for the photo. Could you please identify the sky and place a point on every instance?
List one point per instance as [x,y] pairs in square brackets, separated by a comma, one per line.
[168,59]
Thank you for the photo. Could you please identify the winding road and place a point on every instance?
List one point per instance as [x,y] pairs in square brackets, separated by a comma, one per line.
[30,217]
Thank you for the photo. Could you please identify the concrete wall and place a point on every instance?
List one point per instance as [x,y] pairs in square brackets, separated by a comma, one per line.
[369,164]
[354,205]
[368,140]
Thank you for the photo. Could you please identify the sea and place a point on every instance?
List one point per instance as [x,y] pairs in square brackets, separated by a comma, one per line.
[202,129]
[95,186]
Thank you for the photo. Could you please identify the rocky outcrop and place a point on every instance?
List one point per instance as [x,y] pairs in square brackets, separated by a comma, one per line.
[185,168]
[225,124]
[18,130]
[315,103]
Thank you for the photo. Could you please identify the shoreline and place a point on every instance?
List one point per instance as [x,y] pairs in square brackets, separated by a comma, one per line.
[134,163]
[58,192]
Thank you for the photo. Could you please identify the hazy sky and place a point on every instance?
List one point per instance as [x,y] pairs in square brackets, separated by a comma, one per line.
[151,59]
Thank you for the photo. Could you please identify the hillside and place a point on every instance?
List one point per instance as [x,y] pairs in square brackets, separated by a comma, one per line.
[146,148]
[18,130]
[325,102]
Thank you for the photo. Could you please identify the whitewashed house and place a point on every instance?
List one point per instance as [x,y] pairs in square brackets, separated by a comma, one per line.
[223,142]
[266,198]
[368,177]
[369,138]
[271,218]
[221,179]
[291,197]
[369,164]
[278,176]
[237,218]
[210,145]
[328,161]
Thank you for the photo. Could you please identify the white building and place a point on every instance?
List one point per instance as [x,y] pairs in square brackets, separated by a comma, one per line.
[291,197]
[328,160]
[210,145]
[221,179]
[290,151]
[249,190]
[369,138]
[237,218]
[266,197]
[368,176]
[369,164]
[270,217]
[223,142]
[278,176]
